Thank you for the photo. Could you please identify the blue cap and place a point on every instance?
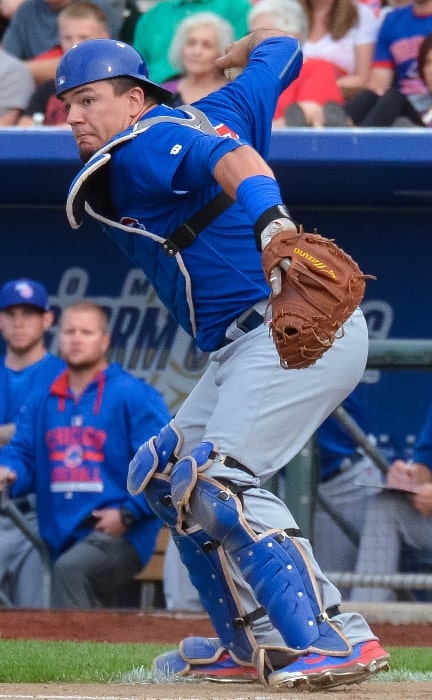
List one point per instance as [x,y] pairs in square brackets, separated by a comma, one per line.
[24,291]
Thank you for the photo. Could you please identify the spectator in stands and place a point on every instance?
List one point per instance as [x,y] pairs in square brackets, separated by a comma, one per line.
[77,22]
[7,11]
[16,88]
[314,98]
[26,366]
[343,32]
[393,108]
[396,516]
[34,27]
[395,66]
[199,40]
[73,444]
[155,29]
[343,466]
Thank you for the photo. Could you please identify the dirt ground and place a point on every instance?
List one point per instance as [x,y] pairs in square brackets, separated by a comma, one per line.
[154,626]
[160,626]
[371,690]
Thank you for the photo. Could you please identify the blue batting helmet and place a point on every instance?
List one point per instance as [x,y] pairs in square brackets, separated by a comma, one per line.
[100,59]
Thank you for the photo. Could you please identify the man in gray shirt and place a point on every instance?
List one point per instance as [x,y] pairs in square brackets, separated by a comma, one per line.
[16,88]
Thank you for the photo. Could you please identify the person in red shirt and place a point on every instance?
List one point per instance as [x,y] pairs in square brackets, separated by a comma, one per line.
[314,98]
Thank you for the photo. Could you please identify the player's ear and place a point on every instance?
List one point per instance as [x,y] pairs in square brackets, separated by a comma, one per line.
[136,100]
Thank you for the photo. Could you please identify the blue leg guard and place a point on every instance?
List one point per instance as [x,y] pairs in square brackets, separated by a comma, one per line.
[273,564]
[203,557]
[208,571]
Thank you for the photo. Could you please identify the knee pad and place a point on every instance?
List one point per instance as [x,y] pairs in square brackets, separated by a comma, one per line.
[274,566]
[185,473]
[157,455]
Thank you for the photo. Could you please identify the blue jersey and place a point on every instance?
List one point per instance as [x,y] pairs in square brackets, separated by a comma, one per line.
[74,454]
[423,447]
[164,174]
[397,46]
[17,385]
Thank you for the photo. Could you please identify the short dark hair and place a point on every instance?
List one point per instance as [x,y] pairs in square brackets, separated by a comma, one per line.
[124,83]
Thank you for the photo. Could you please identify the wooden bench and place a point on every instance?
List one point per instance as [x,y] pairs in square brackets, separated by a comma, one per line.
[151,575]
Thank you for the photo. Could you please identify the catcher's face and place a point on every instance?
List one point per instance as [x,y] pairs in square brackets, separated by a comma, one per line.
[96,114]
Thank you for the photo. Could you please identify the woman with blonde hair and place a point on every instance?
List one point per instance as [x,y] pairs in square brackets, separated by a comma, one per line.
[343,32]
[198,41]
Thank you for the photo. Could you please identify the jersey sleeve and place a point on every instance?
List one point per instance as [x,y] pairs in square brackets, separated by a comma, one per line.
[19,454]
[172,149]
[423,448]
[247,105]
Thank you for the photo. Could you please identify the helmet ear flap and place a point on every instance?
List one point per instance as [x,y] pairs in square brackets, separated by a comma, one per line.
[101,59]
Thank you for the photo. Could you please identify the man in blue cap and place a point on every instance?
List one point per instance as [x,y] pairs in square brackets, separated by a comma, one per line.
[25,316]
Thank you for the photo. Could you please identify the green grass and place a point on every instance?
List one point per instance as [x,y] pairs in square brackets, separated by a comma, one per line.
[75,662]
[87,662]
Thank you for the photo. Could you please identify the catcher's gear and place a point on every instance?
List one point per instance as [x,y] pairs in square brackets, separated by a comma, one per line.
[277,226]
[320,289]
[203,656]
[273,563]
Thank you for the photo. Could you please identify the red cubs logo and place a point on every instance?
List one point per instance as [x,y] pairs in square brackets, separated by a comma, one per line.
[224,130]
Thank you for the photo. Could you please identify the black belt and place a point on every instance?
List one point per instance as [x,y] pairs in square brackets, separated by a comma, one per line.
[23,505]
[251,321]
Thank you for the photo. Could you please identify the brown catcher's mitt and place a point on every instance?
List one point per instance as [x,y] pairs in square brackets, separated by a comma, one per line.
[320,290]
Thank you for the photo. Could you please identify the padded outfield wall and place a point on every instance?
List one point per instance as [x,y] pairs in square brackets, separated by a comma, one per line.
[371,190]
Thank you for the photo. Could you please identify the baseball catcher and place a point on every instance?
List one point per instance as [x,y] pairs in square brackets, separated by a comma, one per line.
[182,191]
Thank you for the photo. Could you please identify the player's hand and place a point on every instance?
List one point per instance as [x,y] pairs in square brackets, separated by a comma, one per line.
[237,54]
[401,475]
[407,475]
[109,521]
[422,501]
[276,226]
[7,477]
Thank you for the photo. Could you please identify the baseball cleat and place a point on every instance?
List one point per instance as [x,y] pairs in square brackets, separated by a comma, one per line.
[206,658]
[319,672]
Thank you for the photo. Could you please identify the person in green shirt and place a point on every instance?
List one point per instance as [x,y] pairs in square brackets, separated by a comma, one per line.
[155,29]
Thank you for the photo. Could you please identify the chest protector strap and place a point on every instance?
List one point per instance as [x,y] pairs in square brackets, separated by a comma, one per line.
[90,191]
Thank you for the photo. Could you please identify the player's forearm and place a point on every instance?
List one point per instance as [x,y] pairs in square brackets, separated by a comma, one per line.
[238,165]
[43,69]
[250,181]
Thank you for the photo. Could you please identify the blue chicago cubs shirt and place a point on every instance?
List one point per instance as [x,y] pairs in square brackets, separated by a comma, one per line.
[74,453]
[161,175]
